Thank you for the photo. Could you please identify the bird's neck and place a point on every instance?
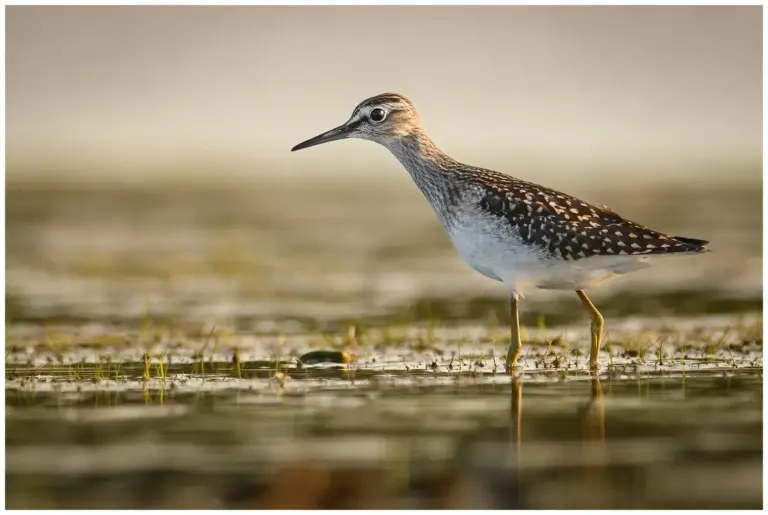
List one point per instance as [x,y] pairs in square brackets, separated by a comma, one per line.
[433,171]
[418,153]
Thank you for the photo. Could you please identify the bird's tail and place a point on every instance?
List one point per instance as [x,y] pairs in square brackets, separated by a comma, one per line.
[695,244]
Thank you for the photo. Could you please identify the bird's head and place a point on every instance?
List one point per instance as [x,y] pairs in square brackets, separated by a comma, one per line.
[384,119]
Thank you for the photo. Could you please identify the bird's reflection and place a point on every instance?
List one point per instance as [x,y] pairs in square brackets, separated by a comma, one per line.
[517,412]
[591,419]
[591,414]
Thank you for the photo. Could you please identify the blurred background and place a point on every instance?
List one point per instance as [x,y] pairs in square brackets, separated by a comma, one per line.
[149,177]
[183,117]
[565,94]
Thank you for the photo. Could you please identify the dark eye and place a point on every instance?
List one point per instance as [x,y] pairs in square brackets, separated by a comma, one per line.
[378,114]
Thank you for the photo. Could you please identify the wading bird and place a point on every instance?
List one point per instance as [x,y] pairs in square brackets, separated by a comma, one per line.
[516,232]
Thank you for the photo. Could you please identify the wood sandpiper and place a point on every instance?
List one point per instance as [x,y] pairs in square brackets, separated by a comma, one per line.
[516,232]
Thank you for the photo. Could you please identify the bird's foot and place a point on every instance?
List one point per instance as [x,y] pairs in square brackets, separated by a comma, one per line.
[513,367]
[594,364]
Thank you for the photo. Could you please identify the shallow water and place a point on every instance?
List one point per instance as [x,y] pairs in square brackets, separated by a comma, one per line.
[426,419]
[153,341]
[390,441]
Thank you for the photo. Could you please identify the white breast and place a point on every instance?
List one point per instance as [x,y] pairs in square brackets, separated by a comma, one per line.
[493,248]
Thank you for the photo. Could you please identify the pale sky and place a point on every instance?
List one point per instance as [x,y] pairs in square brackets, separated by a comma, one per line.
[125,90]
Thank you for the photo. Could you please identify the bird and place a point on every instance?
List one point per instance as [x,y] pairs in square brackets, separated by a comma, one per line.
[519,233]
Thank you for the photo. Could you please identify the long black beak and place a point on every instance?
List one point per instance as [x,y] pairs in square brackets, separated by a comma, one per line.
[340,132]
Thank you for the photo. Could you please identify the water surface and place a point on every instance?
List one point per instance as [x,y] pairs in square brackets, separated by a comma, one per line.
[390,441]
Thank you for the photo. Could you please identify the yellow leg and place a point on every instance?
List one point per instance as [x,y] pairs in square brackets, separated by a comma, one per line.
[515,345]
[596,326]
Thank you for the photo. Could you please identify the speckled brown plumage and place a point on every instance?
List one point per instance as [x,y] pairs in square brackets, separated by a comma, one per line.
[563,226]
[568,227]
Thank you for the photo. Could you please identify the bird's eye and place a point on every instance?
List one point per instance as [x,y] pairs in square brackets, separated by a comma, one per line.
[378,114]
